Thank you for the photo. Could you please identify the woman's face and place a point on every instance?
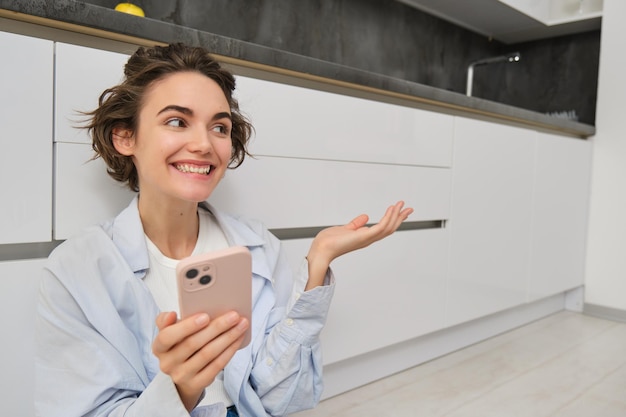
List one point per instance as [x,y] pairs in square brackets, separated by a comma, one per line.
[182,145]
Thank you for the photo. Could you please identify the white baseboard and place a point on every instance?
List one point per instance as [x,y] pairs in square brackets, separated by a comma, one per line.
[604,312]
[351,373]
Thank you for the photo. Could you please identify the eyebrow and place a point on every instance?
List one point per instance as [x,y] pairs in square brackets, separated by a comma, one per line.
[189,112]
[181,109]
[223,115]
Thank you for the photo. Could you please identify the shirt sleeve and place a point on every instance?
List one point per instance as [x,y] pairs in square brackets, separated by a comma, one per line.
[287,374]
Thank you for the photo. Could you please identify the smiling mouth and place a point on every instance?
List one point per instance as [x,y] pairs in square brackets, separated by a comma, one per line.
[194,169]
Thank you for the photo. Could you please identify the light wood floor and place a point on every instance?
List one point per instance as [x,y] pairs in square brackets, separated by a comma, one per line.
[565,365]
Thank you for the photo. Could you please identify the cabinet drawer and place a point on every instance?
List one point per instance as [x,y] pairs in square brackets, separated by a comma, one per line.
[289,192]
[82,74]
[283,193]
[300,122]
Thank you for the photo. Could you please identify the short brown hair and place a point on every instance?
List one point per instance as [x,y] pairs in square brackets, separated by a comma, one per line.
[119,106]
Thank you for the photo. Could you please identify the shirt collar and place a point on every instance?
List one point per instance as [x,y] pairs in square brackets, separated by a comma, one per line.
[240,233]
[127,234]
[235,234]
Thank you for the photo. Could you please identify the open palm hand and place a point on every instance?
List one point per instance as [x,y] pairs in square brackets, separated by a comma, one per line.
[335,241]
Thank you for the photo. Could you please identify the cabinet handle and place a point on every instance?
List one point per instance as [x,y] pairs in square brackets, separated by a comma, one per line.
[21,251]
[311,232]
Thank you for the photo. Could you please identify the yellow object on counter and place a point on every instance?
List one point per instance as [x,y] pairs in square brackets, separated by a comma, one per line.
[130,9]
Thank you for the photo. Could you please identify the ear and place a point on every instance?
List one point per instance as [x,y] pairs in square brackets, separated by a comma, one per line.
[123,140]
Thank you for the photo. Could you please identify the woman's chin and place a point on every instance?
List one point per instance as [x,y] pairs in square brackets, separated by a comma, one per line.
[198,196]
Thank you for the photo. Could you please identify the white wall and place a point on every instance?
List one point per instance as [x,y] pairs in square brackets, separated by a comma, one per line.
[606,252]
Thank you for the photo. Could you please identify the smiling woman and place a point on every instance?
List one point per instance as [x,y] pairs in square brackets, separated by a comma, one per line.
[108,311]
[190,138]
[118,106]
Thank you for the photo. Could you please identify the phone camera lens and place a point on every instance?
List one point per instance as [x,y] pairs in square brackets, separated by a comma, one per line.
[192,273]
[205,279]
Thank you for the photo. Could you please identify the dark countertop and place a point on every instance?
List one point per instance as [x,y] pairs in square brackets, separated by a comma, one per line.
[77,14]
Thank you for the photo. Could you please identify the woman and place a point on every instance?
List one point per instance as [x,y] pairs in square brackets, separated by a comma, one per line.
[109,340]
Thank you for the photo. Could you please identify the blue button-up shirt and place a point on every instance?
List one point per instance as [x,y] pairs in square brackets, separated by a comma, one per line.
[96,324]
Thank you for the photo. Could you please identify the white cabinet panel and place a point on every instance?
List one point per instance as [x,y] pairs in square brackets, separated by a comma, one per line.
[561,203]
[490,219]
[26,135]
[84,192]
[19,281]
[300,122]
[287,192]
[387,293]
[82,74]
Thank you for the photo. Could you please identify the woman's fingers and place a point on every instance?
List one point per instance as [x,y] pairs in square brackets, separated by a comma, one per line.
[194,350]
[171,334]
[213,357]
[205,346]
[199,371]
[355,235]
[389,223]
[165,319]
[358,222]
[398,214]
[194,343]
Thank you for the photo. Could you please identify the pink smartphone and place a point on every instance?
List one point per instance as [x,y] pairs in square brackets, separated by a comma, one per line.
[215,283]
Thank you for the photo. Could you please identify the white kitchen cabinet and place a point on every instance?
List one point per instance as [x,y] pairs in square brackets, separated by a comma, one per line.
[299,122]
[291,192]
[19,282]
[556,12]
[560,210]
[26,135]
[82,74]
[385,294]
[490,220]
[84,192]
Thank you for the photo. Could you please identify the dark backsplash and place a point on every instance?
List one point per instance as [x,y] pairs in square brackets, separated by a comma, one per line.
[387,37]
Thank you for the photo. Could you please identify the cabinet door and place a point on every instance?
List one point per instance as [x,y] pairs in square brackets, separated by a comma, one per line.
[490,219]
[300,122]
[19,281]
[560,210]
[387,293]
[82,74]
[26,134]
[84,192]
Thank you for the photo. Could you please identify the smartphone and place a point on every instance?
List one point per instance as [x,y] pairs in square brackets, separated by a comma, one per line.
[216,282]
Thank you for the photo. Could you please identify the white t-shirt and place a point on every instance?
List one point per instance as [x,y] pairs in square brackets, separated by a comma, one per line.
[161,280]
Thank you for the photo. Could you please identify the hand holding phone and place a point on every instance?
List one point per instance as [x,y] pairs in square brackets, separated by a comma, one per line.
[215,283]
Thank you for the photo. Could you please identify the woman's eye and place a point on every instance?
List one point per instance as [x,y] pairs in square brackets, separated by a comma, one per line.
[221,129]
[176,122]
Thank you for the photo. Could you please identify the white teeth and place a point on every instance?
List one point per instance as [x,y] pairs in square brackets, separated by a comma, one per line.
[193,169]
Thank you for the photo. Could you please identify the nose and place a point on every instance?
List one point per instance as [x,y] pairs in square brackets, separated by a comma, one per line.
[200,141]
